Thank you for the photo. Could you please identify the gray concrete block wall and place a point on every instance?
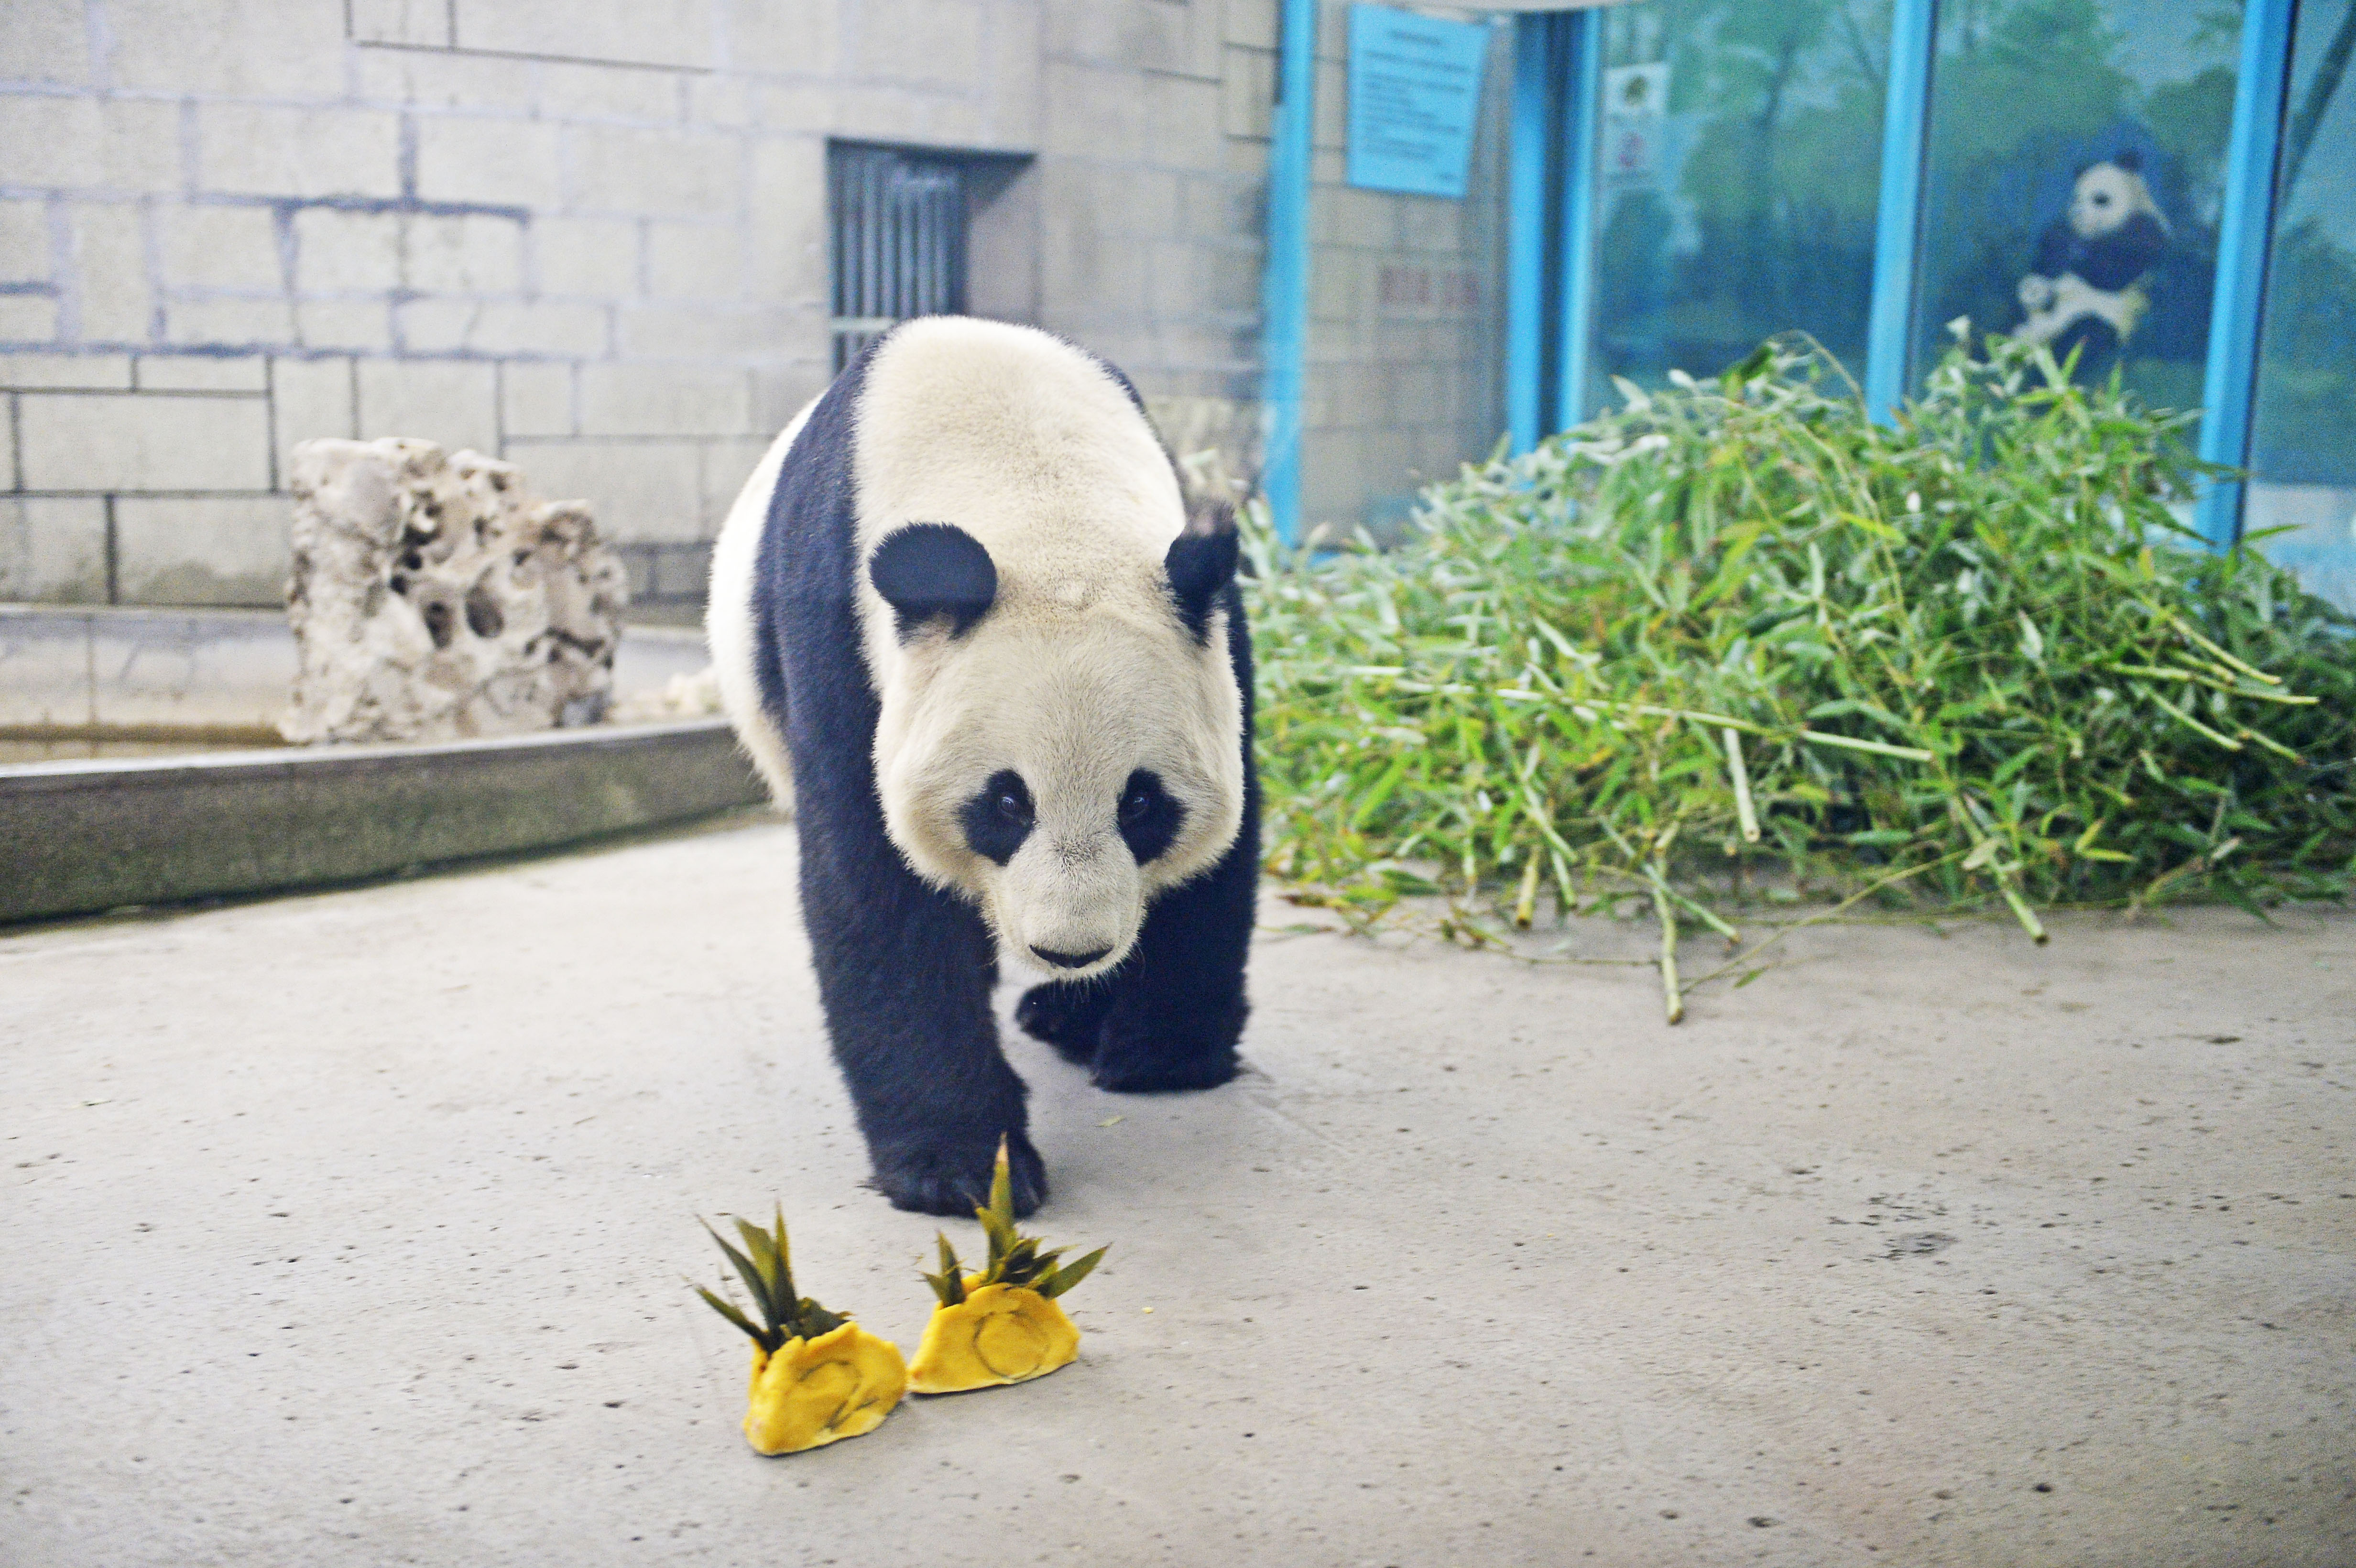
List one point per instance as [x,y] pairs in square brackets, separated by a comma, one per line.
[589,236]
[1152,239]
[1406,313]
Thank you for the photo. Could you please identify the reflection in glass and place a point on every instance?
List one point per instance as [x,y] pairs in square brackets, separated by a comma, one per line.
[2303,426]
[2073,178]
[1740,165]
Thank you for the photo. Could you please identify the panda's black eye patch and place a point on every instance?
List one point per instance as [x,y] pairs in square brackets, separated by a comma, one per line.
[1148,819]
[999,819]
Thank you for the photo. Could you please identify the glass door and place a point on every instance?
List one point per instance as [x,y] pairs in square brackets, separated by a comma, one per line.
[2303,422]
[2073,180]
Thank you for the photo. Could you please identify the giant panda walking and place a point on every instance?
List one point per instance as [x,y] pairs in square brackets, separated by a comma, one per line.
[961,620]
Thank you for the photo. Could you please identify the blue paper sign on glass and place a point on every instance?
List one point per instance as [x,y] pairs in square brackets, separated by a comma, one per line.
[1415,86]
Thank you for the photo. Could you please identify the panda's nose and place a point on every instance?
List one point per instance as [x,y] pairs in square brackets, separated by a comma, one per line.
[1069,960]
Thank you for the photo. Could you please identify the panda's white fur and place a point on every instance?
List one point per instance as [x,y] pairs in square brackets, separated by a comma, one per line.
[728,631]
[2106,197]
[1081,672]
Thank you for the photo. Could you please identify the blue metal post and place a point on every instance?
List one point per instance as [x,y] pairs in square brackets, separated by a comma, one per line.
[1583,130]
[2243,236]
[1284,329]
[1525,222]
[1898,219]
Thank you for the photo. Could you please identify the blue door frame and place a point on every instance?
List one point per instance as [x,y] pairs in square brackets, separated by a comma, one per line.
[1550,235]
[1284,280]
[1898,213]
[1550,220]
[2244,236]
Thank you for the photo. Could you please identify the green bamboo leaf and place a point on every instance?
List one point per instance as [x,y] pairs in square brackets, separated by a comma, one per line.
[767,1339]
[1001,1184]
[762,1249]
[1071,1274]
[770,1306]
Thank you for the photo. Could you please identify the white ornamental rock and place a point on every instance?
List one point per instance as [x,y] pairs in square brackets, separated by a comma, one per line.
[434,598]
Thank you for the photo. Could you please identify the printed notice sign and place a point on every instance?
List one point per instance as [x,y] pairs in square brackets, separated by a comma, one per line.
[1415,86]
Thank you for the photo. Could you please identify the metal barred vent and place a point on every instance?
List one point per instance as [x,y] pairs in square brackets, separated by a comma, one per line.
[899,222]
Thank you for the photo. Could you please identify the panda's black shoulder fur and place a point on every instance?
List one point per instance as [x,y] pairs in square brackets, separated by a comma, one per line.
[905,970]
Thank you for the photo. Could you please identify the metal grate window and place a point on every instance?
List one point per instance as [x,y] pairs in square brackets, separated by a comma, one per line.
[899,222]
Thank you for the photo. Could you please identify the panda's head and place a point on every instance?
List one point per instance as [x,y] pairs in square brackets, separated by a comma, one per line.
[1059,747]
[2108,193]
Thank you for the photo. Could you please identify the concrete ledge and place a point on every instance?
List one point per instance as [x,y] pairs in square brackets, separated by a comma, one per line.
[80,836]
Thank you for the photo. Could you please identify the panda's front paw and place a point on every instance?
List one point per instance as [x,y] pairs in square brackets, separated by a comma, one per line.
[953,1178]
[1160,1074]
[1143,1054]
[1069,1018]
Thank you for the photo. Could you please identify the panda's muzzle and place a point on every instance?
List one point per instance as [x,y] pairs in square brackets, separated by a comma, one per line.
[1068,960]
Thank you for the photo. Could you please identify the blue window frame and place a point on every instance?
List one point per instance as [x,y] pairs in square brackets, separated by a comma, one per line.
[2227,116]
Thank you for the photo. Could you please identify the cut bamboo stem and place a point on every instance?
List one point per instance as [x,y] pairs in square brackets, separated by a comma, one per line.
[2181,716]
[1526,906]
[1700,911]
[1998,873]
[2022,912]
[1879,748]
[2251,670]
[1671,995]
[1742,807]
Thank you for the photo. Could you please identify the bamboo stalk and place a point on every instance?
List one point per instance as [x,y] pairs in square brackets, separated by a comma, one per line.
[2002,875]
[1833,913]
[1721,721]
[1700,911]
[2162,672]
[2276,747]
[1668,917]
[2251,670]
[2183,717]
[1526,906]
[1880,748]
[1742,806]
[2020,911]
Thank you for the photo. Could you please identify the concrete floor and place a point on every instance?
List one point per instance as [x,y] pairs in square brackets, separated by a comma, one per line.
[350,1229]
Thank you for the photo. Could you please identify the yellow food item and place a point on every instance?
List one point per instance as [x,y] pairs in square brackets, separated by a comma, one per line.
[1001,1326]
[998,1334]
[817,1377]
[812,1393]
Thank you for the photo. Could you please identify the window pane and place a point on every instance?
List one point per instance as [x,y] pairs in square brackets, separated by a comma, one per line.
[2073,179]
[2303,430]
[1739,166]
[899,241]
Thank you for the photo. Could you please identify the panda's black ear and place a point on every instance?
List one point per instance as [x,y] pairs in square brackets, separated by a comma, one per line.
[927,569]
[2130,160]
[1200,565]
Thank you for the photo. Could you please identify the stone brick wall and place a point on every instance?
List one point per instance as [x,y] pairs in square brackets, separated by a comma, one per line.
[586,235]
[1405,329]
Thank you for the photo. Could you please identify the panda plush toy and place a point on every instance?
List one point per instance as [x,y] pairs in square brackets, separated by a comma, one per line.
[962,620]
[2084,294]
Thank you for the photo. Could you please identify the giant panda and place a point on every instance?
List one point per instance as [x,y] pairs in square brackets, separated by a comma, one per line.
[2084,294]
[962,619]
